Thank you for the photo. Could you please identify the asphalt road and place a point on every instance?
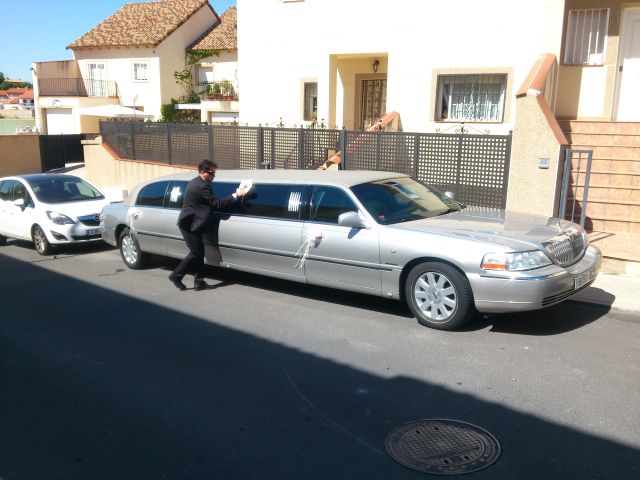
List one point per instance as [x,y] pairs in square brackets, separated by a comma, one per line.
[109,373]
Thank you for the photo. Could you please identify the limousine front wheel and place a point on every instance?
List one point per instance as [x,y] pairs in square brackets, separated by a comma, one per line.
[130,251]
[439,296]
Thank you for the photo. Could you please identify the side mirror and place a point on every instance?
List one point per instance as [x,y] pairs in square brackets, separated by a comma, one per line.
[351,220]
[450,195]
[19,202]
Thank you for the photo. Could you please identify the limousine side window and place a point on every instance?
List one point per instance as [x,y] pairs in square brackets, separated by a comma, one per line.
[175,195]
[328,203]
[274,201]
[152,195]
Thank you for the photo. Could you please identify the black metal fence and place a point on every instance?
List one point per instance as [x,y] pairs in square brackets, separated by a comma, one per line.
[474,167]
[58,150]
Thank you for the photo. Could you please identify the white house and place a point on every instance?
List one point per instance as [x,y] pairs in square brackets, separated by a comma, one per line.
[129,59]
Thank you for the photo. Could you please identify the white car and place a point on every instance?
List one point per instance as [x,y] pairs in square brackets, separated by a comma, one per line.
[49,210]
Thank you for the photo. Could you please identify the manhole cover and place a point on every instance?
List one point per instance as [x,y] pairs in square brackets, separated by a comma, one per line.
[444,447]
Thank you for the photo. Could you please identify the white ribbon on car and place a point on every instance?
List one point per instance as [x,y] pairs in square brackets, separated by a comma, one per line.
[132,214]
[312,240]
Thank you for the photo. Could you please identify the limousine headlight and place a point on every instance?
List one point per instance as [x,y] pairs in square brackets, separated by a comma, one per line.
[515,261]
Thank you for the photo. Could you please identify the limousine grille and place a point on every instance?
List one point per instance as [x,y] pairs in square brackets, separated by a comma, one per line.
[566,248]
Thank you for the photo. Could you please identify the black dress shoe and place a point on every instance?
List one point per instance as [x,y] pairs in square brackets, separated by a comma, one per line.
[201,285]
[177,282]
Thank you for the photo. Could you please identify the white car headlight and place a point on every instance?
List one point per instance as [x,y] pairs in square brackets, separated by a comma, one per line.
[59,218]
[515,261]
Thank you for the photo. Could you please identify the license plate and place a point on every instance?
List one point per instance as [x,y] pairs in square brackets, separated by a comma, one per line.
[584,278]
[93,231]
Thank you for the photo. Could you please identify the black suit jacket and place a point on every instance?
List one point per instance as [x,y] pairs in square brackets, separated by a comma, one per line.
[199,203]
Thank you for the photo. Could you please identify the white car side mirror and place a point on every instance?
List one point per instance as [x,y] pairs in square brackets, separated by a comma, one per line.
[19,202]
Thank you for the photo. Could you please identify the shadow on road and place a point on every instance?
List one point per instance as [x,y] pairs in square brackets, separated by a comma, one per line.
[558,319]
[99,385]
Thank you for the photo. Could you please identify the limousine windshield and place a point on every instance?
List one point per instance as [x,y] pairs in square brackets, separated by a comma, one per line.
[402,200]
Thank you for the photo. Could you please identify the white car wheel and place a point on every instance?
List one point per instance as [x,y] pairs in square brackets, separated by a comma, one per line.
[40,241]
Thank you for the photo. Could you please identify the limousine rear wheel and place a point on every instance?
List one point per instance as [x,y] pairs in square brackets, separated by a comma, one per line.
[130,251]
[439,296]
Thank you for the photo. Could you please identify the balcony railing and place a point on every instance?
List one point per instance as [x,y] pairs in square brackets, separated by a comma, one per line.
[76,87]
[221,90]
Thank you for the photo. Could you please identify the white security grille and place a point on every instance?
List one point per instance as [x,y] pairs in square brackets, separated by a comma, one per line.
[586,34]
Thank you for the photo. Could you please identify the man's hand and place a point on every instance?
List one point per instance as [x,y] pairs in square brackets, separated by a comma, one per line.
[241,192]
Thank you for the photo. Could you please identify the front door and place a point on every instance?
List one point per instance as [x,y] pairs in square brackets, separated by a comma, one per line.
[373,104]
[629,67]
[338,256]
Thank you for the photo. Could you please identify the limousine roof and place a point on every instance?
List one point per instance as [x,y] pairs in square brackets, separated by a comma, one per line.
[344,178]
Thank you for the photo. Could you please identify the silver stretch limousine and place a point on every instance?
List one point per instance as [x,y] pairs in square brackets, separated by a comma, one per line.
[379,233]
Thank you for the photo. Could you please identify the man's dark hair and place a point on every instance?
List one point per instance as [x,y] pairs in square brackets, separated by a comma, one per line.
[207,165]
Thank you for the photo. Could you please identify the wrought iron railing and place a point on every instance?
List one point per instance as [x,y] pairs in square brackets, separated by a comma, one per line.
[76,87]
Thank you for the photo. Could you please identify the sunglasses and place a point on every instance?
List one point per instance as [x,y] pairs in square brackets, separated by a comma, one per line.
[210,172]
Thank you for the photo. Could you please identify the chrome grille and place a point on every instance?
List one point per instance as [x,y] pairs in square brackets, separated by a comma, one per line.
[566,248]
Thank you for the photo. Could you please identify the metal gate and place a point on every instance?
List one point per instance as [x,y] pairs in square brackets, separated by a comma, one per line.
[58,150]
[575,181]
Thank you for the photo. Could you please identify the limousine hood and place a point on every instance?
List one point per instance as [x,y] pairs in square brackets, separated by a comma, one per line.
[511,229]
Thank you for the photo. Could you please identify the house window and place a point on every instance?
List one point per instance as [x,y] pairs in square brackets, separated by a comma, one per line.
[140,71]
[310,101]
[586,33]
[475,98]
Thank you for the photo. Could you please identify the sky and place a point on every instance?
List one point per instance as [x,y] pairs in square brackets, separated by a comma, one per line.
[39,30]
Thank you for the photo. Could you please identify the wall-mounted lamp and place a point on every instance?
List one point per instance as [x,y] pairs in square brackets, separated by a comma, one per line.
[375,64]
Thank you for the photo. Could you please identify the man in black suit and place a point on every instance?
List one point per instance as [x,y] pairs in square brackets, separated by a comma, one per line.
[199,203]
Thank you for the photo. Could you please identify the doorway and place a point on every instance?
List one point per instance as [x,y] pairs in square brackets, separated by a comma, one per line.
[373,101]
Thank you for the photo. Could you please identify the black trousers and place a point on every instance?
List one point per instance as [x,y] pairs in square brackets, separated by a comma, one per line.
[194,261]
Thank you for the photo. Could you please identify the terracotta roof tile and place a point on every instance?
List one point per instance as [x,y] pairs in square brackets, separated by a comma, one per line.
[27,95]
[223,35]
[140,24]
[16,90]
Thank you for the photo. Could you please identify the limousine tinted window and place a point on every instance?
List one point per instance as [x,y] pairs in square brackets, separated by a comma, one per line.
[401,200]
[176,194]
[274,201]
[328,203]
[152,195]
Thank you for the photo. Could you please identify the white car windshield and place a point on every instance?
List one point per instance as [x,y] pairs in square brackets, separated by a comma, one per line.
[64,190]
[402,200]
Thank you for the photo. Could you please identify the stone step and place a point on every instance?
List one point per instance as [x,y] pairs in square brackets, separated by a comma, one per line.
[603,139]
[598,223]
[610,152]
[603,177]
[608,164]
[610,193]
[586,126]
[603,208]
[620,246]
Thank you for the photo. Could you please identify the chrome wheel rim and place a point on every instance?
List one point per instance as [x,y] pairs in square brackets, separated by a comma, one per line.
[435,296]
[128,249]
[40,240]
